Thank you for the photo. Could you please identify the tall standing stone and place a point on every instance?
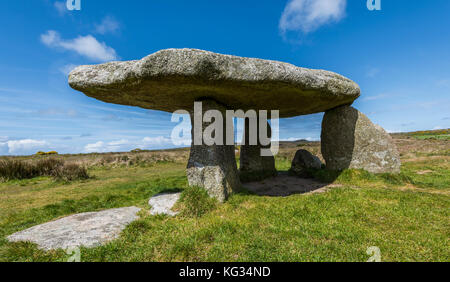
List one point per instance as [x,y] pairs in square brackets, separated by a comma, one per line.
[213,167]
[252,165]
[351,140]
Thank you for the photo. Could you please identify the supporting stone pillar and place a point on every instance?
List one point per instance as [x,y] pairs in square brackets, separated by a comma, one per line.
[350,140]
[253,166]
[213,167]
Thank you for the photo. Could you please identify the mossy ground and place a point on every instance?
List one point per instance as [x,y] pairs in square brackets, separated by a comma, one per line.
[406,216]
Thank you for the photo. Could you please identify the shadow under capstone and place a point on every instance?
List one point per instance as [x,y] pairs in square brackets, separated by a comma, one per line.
[285,185]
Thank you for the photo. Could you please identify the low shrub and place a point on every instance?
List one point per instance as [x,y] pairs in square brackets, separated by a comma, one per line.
[47,166]
[17,170]
[195,202]
[40,153]
[13,169]
[70,172]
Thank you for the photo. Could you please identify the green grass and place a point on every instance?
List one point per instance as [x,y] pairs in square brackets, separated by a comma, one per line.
[436,137]
[406,216]
[195,202]
[440,134]
[11,169]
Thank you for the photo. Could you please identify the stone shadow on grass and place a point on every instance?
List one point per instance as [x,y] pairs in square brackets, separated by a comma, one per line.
[170,191]
[285,185]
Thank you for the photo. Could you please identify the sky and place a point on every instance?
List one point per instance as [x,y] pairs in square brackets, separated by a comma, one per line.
[398,55]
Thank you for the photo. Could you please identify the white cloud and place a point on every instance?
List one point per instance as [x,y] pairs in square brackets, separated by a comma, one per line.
[438,127]
[108,25]
[50,38]
[154,141]
[87,46]
[26,146]
[124,145]
[376,97]
[102,147]
[95,147]
[66,69]
[309,15]
[61,7]
[57,112]
[372,72]
[3,145]
[119,145]
[393,130]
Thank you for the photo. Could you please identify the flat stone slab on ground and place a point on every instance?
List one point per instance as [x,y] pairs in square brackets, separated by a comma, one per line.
[163,203]
[85,229]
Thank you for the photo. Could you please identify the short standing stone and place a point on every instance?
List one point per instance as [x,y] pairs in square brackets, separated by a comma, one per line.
[163,203]
[85,229]
[303,162]
[253,166]
[351,140]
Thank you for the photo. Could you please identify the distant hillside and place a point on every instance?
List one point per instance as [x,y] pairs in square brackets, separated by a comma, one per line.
[440,134]
[297,143]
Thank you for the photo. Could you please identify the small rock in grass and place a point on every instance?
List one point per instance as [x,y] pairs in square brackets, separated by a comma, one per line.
[163,203]
[303,162]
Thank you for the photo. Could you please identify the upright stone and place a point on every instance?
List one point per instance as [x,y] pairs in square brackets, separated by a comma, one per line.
[252,165]
[351,140]
[213,167]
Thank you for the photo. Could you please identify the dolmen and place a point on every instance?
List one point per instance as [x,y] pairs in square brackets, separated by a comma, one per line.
[174,79]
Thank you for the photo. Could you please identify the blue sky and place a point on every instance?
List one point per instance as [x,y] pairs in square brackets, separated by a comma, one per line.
[399,56]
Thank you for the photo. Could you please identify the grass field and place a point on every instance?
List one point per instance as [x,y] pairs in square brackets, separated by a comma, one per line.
[439,137]
[440,134]
[407,216]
